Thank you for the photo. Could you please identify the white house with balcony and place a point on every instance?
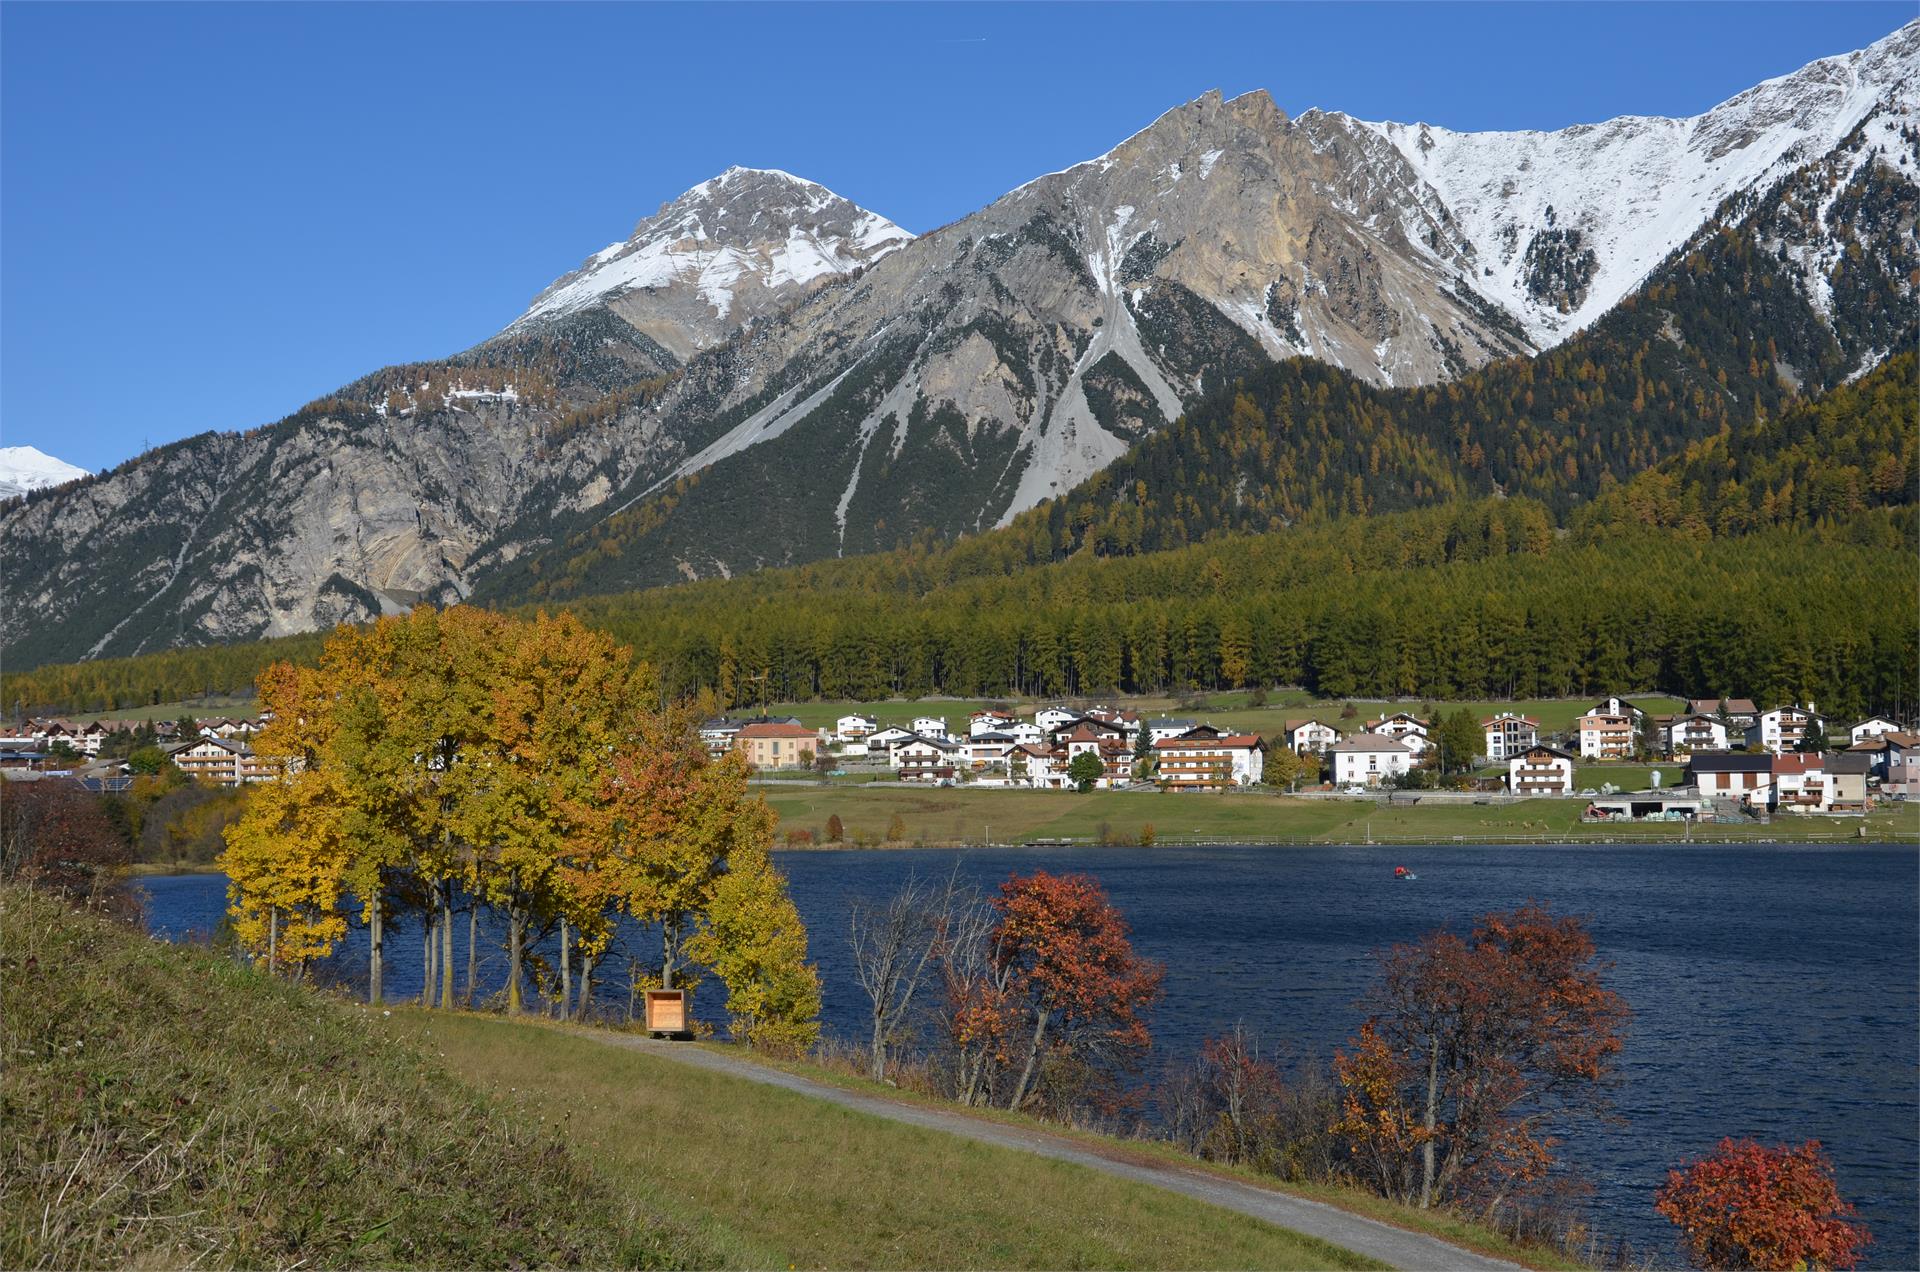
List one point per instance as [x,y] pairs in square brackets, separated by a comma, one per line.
[1540,770]
[1689,733]
[854,728]
[1866,730]
[1784,728]
[1311,737]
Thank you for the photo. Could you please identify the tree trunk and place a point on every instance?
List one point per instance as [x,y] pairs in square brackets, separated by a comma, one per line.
[516,935]
[426,958]
[1433,1113]
[584,1003]
[1033,1059]
[879,1065]
[566,971]
[375,935]
[669,950]
[473,944]
[446,946]
[273,937]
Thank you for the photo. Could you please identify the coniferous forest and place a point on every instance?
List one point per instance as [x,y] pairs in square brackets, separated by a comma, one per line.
[1774,558]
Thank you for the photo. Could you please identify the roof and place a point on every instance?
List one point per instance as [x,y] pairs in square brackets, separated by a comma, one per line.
[1799,762]
[777,731]
[938,744]
[1369,742]
[238,748]
[1225,739]
[1730,762]
[1703,706]
[1851,764]
[1550,750]
[1507,717]
[1741,706]
[1294,726]
[1166,722]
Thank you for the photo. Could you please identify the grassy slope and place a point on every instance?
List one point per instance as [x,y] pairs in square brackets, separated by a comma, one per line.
[769,1177]
[1444,1224]
[165,1106]
[958,815]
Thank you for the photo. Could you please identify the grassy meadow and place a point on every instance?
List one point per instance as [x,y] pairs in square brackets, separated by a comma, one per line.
[957,815]
[771,1178]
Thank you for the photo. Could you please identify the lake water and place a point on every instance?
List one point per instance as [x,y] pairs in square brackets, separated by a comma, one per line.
[1776,990]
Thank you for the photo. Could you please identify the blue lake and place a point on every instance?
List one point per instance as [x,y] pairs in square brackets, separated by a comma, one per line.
[1776,990]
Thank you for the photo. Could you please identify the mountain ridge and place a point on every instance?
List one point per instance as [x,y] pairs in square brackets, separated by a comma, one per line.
[933,386]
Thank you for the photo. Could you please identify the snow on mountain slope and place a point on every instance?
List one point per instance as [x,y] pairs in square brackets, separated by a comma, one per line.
[24,468]
[1565,224]
[733,248]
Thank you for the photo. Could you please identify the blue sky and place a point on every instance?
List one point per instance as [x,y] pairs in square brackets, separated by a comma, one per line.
[211,214]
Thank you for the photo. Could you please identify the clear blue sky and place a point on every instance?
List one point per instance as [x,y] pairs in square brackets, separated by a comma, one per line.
[211,214]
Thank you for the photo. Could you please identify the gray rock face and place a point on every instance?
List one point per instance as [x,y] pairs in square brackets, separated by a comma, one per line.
[765,373]
[744,245]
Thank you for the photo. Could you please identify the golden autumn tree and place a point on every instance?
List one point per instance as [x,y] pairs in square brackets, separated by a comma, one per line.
[754,941]
[563,708]
[463,757]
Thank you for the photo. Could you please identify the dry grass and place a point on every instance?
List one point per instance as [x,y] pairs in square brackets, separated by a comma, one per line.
[165,1106]
[842,1067]
[773,1178]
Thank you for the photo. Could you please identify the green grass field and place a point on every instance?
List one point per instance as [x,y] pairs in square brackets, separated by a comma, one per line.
[219,705]
[960,816]
[770,1178]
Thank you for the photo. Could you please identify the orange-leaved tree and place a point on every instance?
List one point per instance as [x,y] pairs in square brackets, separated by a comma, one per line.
[1071,998]
[1748,1206]
[1475,1046]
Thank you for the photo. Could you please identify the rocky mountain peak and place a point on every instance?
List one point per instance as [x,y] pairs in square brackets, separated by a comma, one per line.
[735,247]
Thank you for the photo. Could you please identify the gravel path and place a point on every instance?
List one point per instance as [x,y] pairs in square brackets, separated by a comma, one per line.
[1397,1246]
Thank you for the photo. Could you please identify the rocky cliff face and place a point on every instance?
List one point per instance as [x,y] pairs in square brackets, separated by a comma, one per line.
[764,373]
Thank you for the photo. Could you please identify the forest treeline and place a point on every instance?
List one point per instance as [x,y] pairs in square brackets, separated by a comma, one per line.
[1418,603]
[1820,461]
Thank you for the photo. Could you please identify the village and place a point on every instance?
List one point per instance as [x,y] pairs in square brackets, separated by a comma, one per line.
[1738,759]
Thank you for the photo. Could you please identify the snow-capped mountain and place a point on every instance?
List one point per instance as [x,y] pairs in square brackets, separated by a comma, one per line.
[24,468]
[1564,224]
[743,245]
[765,373]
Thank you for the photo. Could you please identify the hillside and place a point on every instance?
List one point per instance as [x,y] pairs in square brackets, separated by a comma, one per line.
[1820,461]
[765,374]
[165,1107]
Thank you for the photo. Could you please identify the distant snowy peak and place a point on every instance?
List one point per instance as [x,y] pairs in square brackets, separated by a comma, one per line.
[1561,226]
[730,249]
[24,468]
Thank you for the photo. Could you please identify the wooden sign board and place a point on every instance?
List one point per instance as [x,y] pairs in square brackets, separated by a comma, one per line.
[667,1011]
